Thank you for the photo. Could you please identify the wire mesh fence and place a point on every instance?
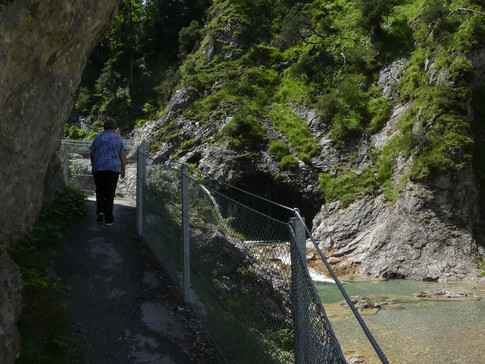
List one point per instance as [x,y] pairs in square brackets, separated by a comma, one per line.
[160,214]
[242,270]
[236,266]
[314,339]
[240,283]
[74,157]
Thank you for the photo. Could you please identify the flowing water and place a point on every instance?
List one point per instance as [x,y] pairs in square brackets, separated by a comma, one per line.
[415,330]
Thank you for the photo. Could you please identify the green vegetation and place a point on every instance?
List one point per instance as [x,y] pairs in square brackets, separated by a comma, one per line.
[380,109]
[435,132]
[296,130]
[244,132]
[278,149]
[73,132]
[254,63]
[348,186]
[281,152]
[132,72]
[43,323]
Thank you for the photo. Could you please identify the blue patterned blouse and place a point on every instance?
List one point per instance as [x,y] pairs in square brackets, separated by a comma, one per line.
[106,147]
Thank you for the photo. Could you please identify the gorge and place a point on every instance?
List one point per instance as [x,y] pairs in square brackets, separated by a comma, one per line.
[372,127]
[398,199]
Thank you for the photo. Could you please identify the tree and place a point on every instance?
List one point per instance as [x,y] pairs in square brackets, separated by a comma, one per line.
[164,20]
[374,12]
[126,34]
[296,26]
[189,37]
[133,58]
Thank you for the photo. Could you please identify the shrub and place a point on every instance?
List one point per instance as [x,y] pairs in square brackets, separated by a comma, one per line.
[139,123]
[278,149]
[244,131]
[45,335]
[82,99]
[348,186]
[461,68]
[373,13]
[380,109]
[433,14]
[295,27]
[73,132]
[397,41]
[189,37]
[262,54]
[288,162]
[171,77]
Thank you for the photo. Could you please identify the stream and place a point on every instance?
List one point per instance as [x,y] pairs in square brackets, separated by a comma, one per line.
[414,330]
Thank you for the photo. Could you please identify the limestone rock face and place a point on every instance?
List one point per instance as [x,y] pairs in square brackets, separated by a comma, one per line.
[44,45]
[250,172]
[426,234]
[54,179]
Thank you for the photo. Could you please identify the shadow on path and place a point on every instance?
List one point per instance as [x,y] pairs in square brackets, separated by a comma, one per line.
[123,307]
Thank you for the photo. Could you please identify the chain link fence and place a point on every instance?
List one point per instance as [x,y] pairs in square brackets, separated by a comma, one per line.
[74,157]
[242,271]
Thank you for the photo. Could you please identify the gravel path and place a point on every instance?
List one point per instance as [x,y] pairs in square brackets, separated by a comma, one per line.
[124,307]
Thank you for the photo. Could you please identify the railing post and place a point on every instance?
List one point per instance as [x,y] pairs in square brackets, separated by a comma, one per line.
[300,296]
[65,162]
[140,182]
[300,235]
[185,233]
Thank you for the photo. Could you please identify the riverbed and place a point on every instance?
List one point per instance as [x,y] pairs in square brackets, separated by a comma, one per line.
[411,330]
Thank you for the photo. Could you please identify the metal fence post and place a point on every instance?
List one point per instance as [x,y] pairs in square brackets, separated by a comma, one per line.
[300,235]
[300,299]
[65,162]
[185,234]
[140,182]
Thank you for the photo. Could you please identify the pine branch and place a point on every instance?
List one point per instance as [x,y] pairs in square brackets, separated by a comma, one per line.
[316,33]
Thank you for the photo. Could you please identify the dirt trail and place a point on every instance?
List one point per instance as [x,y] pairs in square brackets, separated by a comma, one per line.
[124,307]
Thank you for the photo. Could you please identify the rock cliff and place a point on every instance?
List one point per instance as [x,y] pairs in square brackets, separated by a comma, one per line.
[44,45]
[427,232]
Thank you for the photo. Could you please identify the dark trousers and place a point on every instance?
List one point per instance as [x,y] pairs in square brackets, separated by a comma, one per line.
[105,193]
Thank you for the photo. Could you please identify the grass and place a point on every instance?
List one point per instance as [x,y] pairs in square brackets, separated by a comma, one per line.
[347,186]
[43,321]
[243,132]
[281,152]
[296,131]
